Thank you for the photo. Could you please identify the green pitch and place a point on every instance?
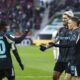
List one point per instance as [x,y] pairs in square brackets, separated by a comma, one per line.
[38,65]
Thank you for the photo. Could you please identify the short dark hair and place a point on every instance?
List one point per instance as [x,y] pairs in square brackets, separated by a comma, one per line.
[76,19]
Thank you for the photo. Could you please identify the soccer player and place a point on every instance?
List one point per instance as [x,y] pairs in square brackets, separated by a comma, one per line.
[61,62]
[73,57]
[6,66]
[73,54]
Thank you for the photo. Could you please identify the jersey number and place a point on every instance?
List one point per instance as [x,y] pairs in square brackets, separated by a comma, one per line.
[2,48]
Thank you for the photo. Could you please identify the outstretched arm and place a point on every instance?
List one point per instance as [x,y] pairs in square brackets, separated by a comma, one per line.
[66,45]
[15,52]
[51,44]
[43,47]
[74,41]
[19,39]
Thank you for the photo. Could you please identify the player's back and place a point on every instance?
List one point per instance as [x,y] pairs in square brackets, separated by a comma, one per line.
[5,57]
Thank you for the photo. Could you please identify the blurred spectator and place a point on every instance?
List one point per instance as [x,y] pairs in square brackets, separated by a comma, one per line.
[20,14]
[58,5]
[39,12]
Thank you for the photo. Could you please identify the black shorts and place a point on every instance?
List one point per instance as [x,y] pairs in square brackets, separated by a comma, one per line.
[60,66]
[74,70]
[8,73]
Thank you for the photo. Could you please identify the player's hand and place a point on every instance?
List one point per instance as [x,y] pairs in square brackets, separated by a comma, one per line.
[43,47]
[22,66]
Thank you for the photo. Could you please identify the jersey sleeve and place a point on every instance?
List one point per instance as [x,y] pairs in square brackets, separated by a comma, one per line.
[75,38]
[10,41]
[58,34]
[78,38]
[18,39]
[73,41]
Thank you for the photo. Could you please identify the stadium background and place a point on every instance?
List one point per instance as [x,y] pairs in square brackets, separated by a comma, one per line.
[35,15]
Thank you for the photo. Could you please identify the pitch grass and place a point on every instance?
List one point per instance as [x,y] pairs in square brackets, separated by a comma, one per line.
[38,65]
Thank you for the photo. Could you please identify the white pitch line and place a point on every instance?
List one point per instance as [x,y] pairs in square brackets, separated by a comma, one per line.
[33,76]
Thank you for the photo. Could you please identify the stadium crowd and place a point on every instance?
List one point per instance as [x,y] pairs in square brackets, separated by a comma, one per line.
[63,5]
[21,14]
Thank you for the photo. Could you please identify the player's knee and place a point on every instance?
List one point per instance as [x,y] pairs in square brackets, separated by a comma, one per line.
[67,77]
[55,77]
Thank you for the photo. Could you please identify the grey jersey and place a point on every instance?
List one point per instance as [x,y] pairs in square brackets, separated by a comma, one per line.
[73,52]
[62,36]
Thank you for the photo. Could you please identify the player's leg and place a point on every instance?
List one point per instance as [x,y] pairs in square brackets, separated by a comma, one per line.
[68,76]
[4,78]
[58,69]
[56,75]
[2,74]
[73,72]
[1,78]
[76,75]
[75,78]
[11,78]
[10,74]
